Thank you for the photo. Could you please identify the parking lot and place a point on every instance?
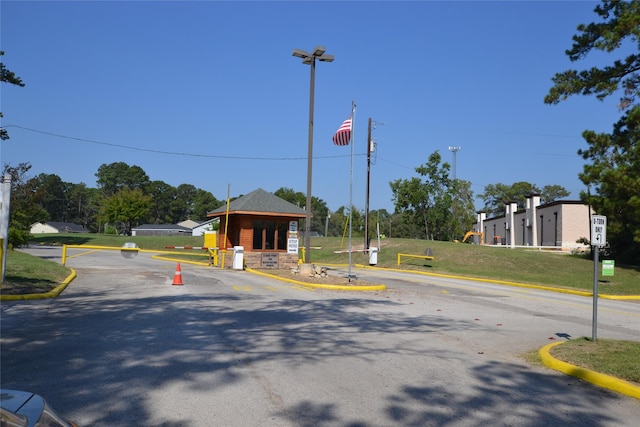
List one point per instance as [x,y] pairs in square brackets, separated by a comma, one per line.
[124,346]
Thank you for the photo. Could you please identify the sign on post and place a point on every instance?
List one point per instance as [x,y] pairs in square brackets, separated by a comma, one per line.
[598,239]
[598,230]
[607,267]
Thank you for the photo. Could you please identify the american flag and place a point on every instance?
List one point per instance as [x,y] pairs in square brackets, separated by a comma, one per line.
[343,134]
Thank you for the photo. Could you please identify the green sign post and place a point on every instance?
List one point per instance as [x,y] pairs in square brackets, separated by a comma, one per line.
[607,267]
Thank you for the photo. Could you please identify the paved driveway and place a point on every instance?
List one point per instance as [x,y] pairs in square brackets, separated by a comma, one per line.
[122,346]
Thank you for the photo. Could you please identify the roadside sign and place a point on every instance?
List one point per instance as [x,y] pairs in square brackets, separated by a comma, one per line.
[292,246]
[598,239]
[607,267]
[598,230]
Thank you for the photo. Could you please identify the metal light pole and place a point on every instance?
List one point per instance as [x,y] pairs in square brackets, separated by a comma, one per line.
[5,201]
[454,150]
[310,59]
[326,224]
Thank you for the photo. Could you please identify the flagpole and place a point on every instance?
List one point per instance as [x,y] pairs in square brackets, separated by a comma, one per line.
[353,119]
[345,136]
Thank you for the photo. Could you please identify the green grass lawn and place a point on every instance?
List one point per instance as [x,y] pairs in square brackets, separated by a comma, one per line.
[617,358]
[26,274]
[491,262]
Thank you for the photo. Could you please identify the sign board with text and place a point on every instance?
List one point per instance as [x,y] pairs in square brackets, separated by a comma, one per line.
[269,260]
[292,246]
[598,230]
[608,266]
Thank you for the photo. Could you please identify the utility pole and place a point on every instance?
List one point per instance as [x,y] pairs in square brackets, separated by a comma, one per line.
[454,150]
[366,204]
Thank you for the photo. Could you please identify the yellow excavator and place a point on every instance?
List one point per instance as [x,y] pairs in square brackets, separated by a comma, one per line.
[474,233]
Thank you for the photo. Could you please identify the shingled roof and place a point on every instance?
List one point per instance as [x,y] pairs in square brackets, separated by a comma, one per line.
[67,227]
[260,202]
[173,227]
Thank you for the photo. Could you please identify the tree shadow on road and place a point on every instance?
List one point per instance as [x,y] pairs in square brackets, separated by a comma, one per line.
[101,354]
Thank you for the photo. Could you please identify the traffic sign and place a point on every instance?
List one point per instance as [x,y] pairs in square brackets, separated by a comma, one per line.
[607,267]
[598,230]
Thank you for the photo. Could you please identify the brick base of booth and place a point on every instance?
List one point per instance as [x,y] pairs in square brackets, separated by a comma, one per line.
[262,260]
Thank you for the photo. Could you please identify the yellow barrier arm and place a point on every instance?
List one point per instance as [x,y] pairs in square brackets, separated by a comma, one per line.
[425,257]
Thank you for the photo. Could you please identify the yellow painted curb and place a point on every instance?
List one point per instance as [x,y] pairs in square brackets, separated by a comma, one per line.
[51,294]
[330,287]
[620,297]
[596,378]
[499,282]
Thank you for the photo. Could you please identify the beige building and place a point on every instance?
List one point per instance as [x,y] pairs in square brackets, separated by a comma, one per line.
[56,227]
[555,225]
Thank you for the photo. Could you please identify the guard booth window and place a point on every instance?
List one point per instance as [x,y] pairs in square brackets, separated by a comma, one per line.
[269,235]
[281,232]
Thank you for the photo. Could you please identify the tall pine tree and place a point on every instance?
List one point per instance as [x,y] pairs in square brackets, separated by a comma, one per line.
[613,172]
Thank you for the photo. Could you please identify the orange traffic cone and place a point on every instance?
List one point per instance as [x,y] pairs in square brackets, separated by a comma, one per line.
[177,278]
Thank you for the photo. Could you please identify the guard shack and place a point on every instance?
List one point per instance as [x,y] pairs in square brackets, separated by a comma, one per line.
[264,225]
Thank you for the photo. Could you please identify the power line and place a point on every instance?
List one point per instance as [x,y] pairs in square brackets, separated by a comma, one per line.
[171,153]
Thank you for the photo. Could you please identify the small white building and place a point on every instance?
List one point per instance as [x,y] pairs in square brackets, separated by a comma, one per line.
[56,227]
[160,230]
[203,227]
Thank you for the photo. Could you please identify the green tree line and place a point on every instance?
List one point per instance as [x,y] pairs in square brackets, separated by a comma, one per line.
[430,206]
[124,197]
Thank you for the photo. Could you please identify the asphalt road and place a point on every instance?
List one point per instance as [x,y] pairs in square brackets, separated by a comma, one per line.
[122,346]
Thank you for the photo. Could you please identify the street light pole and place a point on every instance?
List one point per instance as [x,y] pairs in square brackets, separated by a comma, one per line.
[310,59]
[454,150]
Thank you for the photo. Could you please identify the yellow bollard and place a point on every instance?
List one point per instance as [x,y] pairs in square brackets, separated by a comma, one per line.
[213,256]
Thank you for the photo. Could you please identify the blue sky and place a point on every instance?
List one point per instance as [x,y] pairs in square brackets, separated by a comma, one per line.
[208,93]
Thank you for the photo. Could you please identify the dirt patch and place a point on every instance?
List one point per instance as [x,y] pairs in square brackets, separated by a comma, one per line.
[331,278]
[26,288]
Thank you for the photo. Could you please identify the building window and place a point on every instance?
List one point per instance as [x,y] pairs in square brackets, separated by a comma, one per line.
[281,232]
[258,231]
[269,235]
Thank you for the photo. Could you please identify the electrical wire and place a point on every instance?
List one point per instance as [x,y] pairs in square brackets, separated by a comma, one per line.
[172,153]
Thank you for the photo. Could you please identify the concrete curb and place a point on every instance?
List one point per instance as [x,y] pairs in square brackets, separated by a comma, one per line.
[51,294]
[596,378]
